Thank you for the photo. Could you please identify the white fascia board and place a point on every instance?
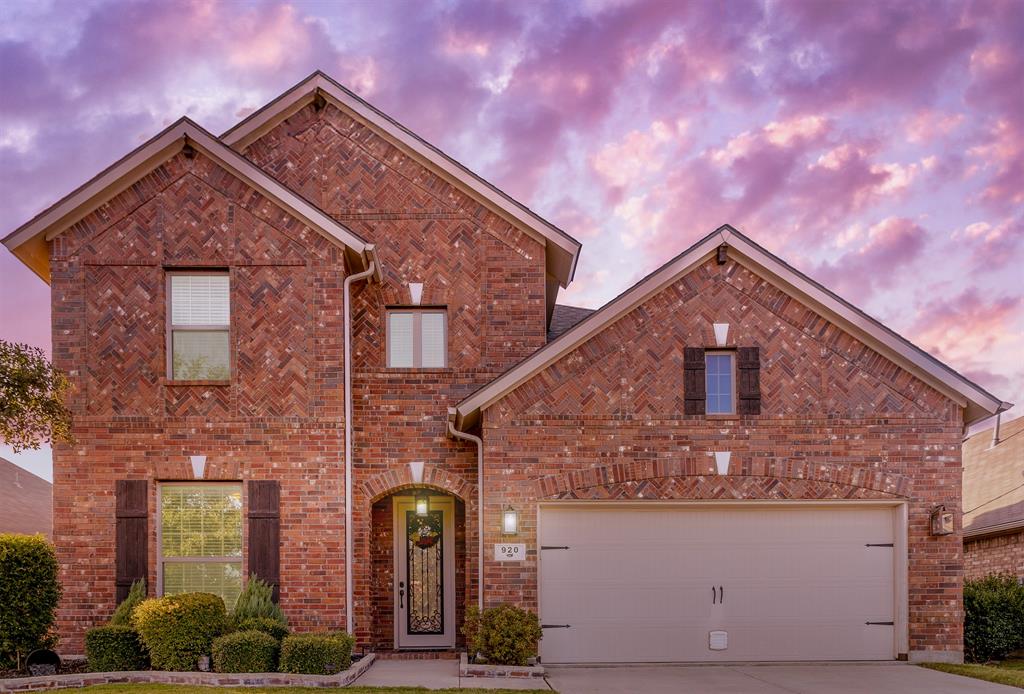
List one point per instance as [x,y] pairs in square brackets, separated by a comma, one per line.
[565,249]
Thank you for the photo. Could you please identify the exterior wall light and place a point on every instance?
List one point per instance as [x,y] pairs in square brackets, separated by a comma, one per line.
[422,504]
[941,521]
[510,521]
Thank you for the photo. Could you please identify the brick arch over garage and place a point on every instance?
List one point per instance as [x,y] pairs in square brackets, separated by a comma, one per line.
[697,478]
[400,478]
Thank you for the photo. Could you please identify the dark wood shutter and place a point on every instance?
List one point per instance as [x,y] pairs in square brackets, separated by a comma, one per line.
[132,535]
[694,384]
[265,532]
[748,374]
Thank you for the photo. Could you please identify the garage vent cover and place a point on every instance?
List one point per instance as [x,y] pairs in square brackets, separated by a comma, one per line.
[718,640]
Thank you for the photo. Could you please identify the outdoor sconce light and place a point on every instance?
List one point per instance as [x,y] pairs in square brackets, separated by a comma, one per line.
[510,521]
[942,521]
[198,466]
[422,504]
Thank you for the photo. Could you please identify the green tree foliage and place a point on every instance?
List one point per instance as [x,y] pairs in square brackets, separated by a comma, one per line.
[123,614]
[994,621]
[29,593]
[257,600]
[32,393]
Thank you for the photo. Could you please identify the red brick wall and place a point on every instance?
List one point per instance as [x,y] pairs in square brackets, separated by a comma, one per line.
[995,555]
[838,421]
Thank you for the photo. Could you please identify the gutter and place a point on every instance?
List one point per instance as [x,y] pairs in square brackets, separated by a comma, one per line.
[371,272]
[455,433]
[991,530]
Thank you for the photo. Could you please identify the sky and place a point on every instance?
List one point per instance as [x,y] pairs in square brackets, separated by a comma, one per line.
[876,146]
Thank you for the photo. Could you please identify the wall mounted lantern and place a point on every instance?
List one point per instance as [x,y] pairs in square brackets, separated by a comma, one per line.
[422,504]
[941,521]
[510,521]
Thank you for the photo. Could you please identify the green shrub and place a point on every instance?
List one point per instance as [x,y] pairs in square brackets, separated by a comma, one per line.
[266,625]
[177,629]
[245,651]
[123,614]
[115,648]
[505,635]
[257,600]
[994,619]
[316,654]
[29,593]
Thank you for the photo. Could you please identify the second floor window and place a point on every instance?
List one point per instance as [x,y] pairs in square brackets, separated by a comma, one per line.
[720,383]
[199,344]
[417,338]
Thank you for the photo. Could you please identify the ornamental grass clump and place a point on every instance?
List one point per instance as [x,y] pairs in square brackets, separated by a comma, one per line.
[29,593]
[504,635]
[178,629]
[257,600]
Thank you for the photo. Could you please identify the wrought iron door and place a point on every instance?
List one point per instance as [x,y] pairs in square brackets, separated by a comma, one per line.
[424,558]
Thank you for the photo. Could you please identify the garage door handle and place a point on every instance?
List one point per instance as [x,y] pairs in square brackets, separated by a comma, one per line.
[883,624]
[714,596]
[721,595]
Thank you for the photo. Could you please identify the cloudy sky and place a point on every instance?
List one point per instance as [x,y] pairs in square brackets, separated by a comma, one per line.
[879,147]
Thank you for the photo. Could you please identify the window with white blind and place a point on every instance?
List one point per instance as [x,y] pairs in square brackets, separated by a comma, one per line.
[200,539]
[417,338]
[720,383]
[199,327]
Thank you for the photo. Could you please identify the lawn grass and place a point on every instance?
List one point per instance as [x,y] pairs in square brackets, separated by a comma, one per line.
[190,689]
[1011,672]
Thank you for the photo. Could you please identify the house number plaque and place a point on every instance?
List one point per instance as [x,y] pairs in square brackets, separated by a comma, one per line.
[509,552]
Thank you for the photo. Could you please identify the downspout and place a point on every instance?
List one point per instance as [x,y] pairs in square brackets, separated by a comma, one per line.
[479,501]
[370,270]
[995,430]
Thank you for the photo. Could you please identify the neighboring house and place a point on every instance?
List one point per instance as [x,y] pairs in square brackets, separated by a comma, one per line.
[994,501]
[26,501]
[726,462]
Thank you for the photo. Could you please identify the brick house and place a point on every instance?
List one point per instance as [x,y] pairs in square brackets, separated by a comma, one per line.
[993,504]
[315,347]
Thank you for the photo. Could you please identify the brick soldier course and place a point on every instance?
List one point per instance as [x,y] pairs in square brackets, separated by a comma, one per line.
[835,418]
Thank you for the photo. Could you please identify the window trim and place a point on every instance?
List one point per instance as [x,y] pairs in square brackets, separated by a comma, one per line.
[242,560]
[417,313]
[734,397]
[170,328]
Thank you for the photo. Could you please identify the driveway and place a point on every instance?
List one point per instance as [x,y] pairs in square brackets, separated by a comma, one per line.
[878,678]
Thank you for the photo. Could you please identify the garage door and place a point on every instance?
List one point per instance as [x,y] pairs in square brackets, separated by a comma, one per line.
[670,583]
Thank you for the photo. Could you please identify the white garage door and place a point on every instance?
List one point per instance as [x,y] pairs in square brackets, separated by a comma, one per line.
[659,582]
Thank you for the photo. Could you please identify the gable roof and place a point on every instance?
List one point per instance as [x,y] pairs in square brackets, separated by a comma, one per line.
[564,317]
[994,481]
[28,241]
[977,402]
[561,250]
[26,501]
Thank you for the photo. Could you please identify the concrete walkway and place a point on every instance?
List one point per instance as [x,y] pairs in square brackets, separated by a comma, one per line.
[876,678]
[435,674]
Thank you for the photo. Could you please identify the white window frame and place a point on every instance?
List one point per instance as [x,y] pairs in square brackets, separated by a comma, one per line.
[417,335]
[172,327]
[160,560]
[732,380]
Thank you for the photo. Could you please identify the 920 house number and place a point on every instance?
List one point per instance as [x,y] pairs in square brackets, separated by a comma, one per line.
[509,552]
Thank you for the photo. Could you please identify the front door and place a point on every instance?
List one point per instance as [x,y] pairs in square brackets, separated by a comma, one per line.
[425,573]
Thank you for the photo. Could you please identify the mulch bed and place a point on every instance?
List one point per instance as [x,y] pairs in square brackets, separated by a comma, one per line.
[67,667]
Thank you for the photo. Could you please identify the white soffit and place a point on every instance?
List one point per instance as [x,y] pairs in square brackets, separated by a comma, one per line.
[26,240]
[561,250]
[977,401]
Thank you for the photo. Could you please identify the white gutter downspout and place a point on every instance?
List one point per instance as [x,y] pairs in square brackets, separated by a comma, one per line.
[479,501]
[349,617]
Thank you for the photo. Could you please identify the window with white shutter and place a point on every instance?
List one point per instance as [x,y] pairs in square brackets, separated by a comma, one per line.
[417,338]
[199,341]
[200,539]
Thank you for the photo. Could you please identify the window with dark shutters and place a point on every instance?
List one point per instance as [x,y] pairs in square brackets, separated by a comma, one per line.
[132,534]
[694,392]
[265,532]
[748,387]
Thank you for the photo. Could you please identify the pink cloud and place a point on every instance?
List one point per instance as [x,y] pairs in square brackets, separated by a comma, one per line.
[967,327]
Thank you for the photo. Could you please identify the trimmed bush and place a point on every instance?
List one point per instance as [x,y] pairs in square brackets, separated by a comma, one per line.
[504,635]
[994,619]
[257,600]
[266,625]
[177,629]
[29,593]
[245,651]
[123,614]
[115,648]
[316,654]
